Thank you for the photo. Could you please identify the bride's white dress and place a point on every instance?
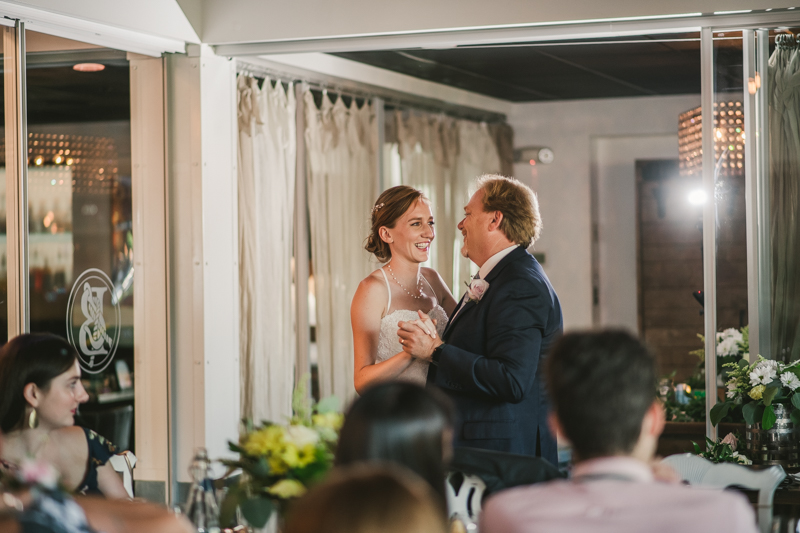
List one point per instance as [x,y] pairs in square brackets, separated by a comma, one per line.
[389,342]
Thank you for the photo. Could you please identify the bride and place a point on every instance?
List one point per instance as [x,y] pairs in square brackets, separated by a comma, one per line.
[401,235]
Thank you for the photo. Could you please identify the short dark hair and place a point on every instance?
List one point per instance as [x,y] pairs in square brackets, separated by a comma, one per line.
[29,358]
[389,207]
[366,499]
[401,423]
[601,384]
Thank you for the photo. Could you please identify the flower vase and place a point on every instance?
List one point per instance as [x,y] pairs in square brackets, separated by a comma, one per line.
[777,446]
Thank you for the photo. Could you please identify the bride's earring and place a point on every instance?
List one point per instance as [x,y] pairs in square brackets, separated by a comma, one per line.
[33,420]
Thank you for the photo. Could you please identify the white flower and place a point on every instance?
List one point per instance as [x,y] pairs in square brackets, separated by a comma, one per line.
[741,459]
[731,390]
[301,436]
[476,290]
[728,342]
[790,380]
[763,373]
[727,346]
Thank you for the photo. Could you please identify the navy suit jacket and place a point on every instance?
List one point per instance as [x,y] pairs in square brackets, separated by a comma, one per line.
[491,362]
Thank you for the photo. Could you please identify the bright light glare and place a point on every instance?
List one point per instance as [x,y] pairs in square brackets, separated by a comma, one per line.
[697,197]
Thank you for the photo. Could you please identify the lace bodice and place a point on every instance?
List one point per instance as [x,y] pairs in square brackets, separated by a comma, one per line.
[389,342]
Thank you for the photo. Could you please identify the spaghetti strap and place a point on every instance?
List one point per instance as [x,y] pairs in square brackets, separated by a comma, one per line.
[388,289]
[433,292]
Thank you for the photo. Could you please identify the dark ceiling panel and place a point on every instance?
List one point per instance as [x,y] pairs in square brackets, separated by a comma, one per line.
[637,66]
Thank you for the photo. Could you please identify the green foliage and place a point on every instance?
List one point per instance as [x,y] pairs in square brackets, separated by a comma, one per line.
[719,411]
[768,418]
[722,451]
[769,395]
[257,510]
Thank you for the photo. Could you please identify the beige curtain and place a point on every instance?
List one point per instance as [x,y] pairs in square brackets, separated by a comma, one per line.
[267,148]
[477,155]
[341,144]
[442,156]
[784,141]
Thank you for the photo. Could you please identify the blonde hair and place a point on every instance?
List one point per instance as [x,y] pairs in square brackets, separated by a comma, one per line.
[521,222]
[367,499]
[389,207]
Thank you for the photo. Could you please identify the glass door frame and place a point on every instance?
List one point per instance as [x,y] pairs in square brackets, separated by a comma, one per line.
[16,138]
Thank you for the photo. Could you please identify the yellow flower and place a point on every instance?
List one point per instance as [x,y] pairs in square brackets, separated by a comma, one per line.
[757,392]
[328,420]
[287,488]
[290,456]
[264,441]
[306,455]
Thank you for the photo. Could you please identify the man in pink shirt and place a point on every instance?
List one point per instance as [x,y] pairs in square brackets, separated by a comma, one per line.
[602,387]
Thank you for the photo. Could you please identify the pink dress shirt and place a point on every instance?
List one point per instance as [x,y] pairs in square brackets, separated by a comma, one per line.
[615,495]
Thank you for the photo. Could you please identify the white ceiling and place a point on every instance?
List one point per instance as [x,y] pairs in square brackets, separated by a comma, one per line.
[161,18]
[241,21]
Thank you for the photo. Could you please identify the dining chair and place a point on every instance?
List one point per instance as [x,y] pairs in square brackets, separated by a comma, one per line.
[698,471]
[124,464]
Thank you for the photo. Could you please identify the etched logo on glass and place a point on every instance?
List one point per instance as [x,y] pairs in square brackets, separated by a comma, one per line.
[93,320]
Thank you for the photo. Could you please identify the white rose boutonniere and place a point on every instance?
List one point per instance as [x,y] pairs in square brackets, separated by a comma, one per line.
[476,289]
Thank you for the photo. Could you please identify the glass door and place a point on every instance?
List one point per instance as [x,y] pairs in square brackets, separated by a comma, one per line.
[80,241]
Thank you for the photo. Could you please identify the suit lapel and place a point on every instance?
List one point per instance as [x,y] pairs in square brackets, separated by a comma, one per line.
[466,307]
[513,256]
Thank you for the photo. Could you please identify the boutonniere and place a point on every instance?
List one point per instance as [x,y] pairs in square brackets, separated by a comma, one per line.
[476,289]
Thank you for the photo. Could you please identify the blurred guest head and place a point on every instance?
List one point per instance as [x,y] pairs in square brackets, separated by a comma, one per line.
[367,499]
[401,219]
[401,423]
[39,382]
[603,389]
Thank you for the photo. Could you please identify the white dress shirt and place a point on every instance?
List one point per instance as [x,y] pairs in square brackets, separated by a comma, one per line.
[490,263]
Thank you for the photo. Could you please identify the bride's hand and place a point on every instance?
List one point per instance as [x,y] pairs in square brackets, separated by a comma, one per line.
[426,324]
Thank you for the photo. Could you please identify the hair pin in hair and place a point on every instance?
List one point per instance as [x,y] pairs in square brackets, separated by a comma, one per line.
[377,208]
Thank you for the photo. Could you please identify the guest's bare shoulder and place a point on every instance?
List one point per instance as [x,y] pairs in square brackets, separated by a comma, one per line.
[69,445]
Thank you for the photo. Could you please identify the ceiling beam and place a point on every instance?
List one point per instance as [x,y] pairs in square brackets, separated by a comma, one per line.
[521,33]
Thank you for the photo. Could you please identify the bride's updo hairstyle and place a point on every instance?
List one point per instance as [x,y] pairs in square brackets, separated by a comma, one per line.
[389,207]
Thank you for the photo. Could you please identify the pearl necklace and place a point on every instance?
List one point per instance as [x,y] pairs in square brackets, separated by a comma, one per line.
[419,286]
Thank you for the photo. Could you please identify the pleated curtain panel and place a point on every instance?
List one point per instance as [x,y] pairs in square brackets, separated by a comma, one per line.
[267,151]
[442,157]
[784,143]
[341,144]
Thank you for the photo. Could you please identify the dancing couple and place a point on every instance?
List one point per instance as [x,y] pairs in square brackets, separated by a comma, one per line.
[485,351]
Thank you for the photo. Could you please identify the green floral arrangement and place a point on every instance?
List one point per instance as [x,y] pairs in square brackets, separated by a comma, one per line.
[279,462]
[722,451]
[757,387]
[732,344]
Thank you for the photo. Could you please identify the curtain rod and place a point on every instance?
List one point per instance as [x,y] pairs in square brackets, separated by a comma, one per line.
[341,86]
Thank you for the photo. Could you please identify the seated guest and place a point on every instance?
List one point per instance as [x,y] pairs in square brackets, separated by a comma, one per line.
[367,499]
[45,510]
[40,391]
[603,394]
[401,423]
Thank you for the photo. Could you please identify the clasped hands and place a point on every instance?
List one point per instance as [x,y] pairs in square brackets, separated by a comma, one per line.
[418,337]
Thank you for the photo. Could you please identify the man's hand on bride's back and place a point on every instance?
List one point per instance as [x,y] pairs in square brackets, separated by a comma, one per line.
[418,337]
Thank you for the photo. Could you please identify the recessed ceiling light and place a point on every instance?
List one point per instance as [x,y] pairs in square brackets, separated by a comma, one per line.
[88,67]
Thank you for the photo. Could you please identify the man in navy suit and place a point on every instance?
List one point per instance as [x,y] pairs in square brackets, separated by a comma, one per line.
[489,360]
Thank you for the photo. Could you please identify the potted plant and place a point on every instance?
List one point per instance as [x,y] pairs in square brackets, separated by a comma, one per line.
[767,393]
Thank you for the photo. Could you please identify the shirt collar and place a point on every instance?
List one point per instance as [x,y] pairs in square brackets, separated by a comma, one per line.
[496,258]
[621,466]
